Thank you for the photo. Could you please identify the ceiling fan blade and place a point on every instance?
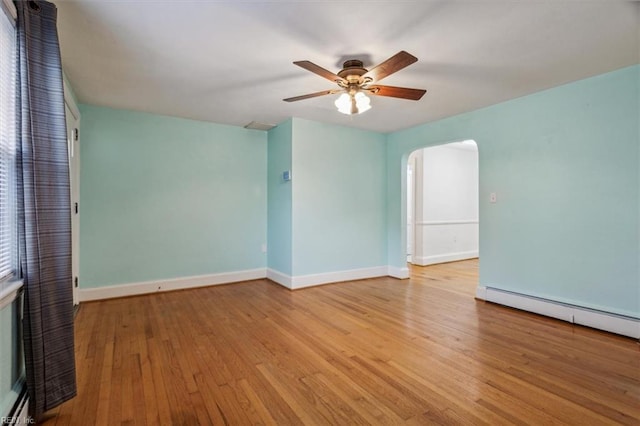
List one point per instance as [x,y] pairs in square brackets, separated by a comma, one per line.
[316,69]
[397,92]
[395,63]
[312,95]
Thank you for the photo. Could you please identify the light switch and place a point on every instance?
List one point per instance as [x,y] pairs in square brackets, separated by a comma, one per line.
[493,198]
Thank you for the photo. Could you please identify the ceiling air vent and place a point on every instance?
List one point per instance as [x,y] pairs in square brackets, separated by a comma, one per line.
[255,125]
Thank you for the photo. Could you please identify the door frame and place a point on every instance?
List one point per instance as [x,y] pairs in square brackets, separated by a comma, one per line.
[73,145]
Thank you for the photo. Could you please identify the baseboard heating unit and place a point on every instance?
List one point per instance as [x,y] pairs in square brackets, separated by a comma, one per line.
[607,321]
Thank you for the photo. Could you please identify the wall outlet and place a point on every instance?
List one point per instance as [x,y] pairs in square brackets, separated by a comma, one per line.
[493,197]
[263,248]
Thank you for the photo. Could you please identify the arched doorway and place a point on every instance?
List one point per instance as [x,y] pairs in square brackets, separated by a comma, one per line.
[442,203]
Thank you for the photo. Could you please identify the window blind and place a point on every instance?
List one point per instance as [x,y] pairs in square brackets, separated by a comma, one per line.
[8,95]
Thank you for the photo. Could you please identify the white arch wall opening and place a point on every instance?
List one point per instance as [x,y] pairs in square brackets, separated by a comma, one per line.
[442,203]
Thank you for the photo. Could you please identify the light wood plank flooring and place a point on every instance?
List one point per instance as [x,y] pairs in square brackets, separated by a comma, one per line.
[377,351]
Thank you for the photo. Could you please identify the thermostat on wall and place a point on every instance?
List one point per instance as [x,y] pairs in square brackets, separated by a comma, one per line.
[286,176]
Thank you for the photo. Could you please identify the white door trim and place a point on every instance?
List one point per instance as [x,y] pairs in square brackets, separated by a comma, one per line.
[73,122]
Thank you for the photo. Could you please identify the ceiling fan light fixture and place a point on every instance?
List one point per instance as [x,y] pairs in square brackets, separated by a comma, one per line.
[354,82]
[353,104]
[343,103]
[363,103]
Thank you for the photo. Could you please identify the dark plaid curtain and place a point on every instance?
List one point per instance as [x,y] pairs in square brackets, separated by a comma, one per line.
[44,211]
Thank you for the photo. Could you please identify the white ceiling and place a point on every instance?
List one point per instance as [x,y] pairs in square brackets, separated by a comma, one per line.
[231,62]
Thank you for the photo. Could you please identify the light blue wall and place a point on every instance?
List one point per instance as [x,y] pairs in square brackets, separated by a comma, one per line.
[565,166]
[166,197]
[279,210]
[339,198]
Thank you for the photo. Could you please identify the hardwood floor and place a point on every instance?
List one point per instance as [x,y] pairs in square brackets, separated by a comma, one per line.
[377,351]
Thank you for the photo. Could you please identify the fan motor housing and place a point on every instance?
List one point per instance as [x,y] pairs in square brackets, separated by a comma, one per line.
[352,71]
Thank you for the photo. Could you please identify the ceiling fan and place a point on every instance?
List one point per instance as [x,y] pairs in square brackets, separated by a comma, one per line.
[355,82]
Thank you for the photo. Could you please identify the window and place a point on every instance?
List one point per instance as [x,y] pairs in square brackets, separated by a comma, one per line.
[8,96]
[11,357]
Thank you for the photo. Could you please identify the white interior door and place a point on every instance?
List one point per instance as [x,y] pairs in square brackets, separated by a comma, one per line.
[73,144]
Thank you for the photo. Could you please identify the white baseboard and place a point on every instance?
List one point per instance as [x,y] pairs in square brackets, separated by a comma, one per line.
[400,273]
[442,258]
[303,281]
[288,281]
[280,278]
[132,289]
[600,320]
[481,293]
